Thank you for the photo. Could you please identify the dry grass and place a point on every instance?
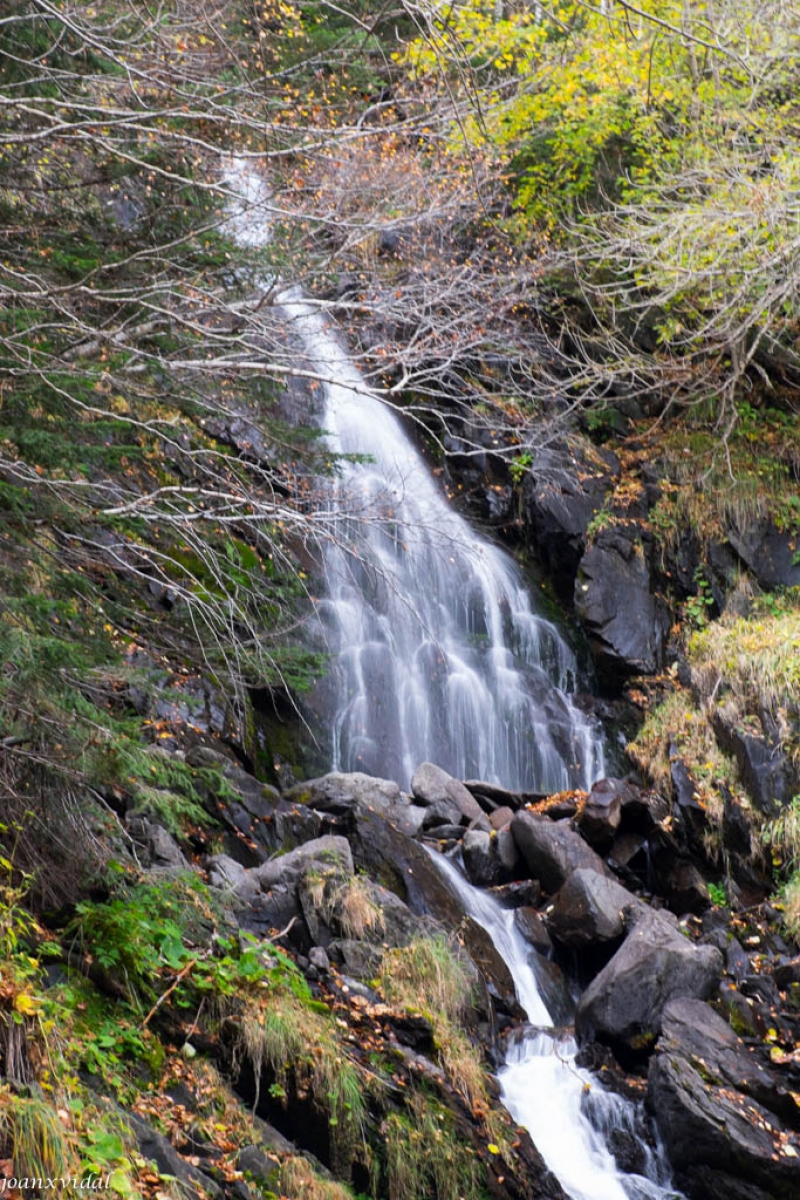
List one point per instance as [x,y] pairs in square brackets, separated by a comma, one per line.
[754,664]
[424,1158]
[358,913]
[297,1046]
[33,1138]
[429,976]
[790,899]
[677,726]
[299,1181]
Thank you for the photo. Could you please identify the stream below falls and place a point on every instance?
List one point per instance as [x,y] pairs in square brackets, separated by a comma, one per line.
[437,654]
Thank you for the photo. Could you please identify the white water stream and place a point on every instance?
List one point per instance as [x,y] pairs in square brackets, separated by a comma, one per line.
[568,1114]
[437,654]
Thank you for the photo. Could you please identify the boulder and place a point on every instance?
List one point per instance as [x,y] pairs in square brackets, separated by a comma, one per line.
[680,882]
[501,817]
[441,813]
[326,854]
[533,928]
[770,553]
[787,973]
[624,849]
[340,793]
[723,1119]
[264,914]
[229,875]
[602,812]
[430,785]
[491,796]
[490,858]
[408,870]
[158,850]
[443,833]
[408,818]
[552,850]
[626,622]
[642,810]
[623,1004]
[591,908]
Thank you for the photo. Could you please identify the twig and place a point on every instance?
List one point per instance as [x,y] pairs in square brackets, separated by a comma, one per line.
[178,978]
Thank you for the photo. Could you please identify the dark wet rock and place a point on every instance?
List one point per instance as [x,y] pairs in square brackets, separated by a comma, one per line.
[267,913]
[681,883]
[690,816]
[533,928]
[554,989]
[591,908]
[762,988]
[492,966]
[158,1149]
[743,1014]
[490,858]
[623,1004]
[736,828]
[628,1151]
[626,622]
[443,833]
[430,785]
[602,812]
[518,894]
[737,962]
[243,435]
[720,1114]
[563,809]
[157,849]
[770,553]
[625,848]
[415,1031]
[552,850]
[408,870]
[491,796]
[248,809]
[787,973]
[765,771]
[565,488]
[642,810]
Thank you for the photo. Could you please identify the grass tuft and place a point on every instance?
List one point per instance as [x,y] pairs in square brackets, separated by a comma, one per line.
[34,1138]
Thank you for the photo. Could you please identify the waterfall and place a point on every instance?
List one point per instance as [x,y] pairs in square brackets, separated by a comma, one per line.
[568,1114]
[438,655]
[436,652]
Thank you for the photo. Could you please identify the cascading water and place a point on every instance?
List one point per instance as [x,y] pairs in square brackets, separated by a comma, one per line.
[436,652]
[438,655]
[567,1113]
